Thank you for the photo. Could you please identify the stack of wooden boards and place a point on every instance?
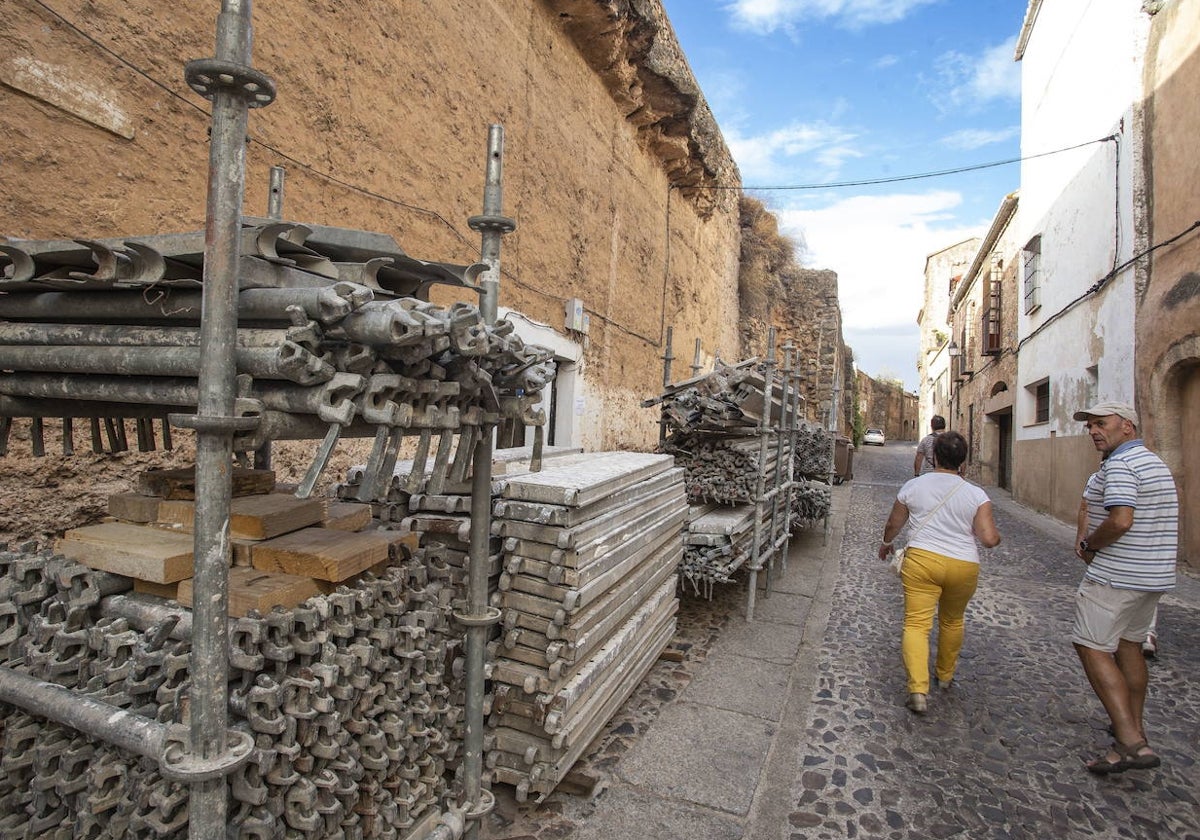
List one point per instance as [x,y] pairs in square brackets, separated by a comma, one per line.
[285,549]
[588,599]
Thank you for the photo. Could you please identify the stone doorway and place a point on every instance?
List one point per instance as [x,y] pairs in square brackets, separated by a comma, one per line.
[1004,447]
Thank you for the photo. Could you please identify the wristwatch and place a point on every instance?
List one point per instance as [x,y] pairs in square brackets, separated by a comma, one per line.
[1083,546]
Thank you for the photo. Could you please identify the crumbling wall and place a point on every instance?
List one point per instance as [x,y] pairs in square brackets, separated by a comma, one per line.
[381,123]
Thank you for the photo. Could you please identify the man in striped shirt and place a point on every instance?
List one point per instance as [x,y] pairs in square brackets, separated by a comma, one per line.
[1127,536]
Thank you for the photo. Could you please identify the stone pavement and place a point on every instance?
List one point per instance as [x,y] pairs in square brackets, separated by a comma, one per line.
[792,726]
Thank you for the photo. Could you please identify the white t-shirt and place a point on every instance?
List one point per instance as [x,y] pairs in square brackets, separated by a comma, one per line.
[949,531]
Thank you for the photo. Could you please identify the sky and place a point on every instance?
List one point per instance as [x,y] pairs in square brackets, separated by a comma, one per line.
[813,93]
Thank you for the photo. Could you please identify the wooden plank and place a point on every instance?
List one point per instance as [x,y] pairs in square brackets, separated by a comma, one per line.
[251,517]
[160,590]
[347,516]
[323,553]
[181,483]
[327,586]
[134,551]
[133,507]
[251,589]
[241,552]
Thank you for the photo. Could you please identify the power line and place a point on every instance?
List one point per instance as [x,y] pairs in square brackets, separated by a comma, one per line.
[896,178]
[322,174]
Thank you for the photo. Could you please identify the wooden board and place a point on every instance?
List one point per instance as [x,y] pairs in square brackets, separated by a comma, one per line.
[241,552]
[327,586]
[160,590]
[323,553]
[181,483]
[250,589]
[134,551]
[347,516]
[252,517]
[133,507]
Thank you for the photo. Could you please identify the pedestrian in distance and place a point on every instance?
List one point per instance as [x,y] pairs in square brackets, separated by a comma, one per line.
[923,462]
[1127,537]
[941,561]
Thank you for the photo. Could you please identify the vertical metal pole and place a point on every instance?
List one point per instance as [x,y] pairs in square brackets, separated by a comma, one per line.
[696,360]
[492,226]
[787,447]
[233,87]
[763,426]
[262,455]
[275,196]
[667,357]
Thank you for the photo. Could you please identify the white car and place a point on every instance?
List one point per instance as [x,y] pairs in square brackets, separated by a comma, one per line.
[873,436]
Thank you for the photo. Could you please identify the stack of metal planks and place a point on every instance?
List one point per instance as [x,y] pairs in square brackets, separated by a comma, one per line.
[588,596]
[718,542]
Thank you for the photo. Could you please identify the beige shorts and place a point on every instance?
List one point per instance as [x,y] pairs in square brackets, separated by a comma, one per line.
[1104,615]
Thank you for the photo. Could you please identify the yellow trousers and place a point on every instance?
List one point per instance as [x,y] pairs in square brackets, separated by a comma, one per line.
[934,581]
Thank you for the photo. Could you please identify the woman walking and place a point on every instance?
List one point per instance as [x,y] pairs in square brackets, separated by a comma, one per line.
[941,563]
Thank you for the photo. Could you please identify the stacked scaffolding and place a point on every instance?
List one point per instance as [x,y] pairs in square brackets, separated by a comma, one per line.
[734,431]
[349,706]
[812,495]
[591,545]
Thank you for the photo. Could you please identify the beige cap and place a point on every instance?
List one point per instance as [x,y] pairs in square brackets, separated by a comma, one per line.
[1104,409]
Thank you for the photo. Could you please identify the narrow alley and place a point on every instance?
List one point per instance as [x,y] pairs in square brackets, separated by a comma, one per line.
[794,726]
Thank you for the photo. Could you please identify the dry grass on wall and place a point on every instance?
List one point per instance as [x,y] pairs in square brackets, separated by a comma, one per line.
[765,255]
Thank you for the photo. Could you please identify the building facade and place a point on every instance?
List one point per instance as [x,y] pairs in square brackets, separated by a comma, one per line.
[983,348]
[942,271]
[1082,195]
[1167,364]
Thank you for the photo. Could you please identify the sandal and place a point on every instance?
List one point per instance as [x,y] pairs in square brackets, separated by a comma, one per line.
[1128,759]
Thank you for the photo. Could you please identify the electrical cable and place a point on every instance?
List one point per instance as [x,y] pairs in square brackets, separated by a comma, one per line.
[1103,281]
[284,155]
[896,178]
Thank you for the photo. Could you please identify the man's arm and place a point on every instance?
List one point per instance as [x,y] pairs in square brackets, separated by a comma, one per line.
[1114,526]
[919,460]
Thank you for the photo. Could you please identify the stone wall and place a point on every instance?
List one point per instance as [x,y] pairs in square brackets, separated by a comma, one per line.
[381,123]
[886,405]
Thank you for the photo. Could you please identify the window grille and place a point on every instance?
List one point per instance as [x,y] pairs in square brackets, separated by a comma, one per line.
[1032,254]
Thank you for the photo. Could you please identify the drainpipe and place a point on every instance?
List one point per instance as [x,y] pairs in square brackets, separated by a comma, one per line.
[233,87]
[491,226]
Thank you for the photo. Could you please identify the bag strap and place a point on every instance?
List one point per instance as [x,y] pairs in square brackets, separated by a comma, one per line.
[945,499]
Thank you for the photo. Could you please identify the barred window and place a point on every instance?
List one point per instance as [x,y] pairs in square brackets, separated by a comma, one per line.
[1032,256]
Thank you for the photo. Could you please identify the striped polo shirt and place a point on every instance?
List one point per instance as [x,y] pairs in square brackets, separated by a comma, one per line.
[1144,557]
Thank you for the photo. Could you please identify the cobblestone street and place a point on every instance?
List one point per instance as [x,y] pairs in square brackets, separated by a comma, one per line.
[793,726]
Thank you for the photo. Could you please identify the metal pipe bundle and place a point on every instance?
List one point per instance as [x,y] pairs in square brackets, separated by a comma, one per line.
[118,321]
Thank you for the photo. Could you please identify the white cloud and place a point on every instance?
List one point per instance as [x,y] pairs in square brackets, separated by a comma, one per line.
[886,61]
[971,81]
[977,138]
[817,147]
[766,16]
[878,244]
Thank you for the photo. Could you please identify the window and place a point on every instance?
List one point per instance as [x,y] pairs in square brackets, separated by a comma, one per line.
[964,366]
[989,327]
[1032,255]
[1041,401]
